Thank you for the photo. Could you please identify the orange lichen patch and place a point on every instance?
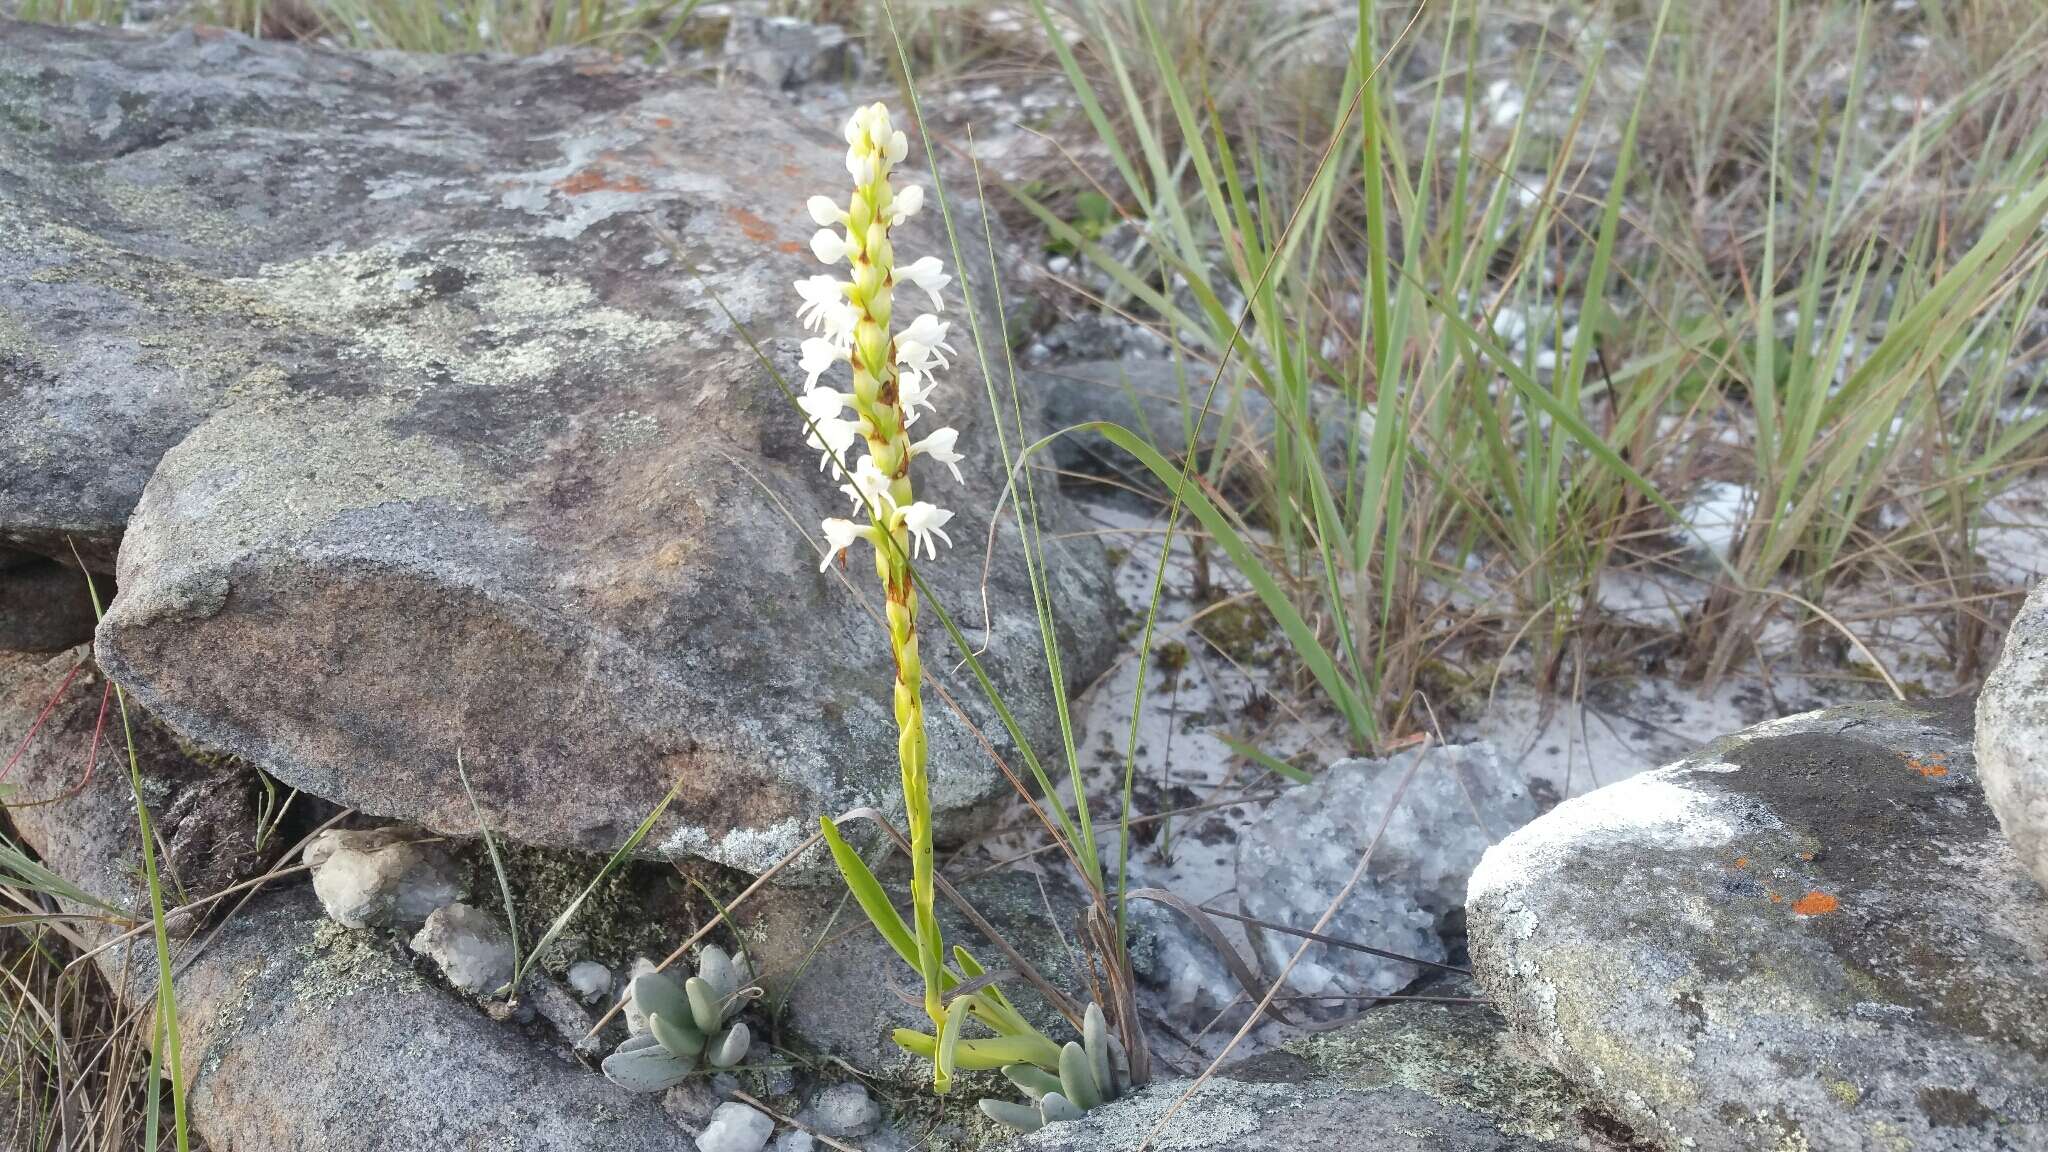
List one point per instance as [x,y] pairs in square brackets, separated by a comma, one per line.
[664,122]
[790,247]
[755,228]
[1815,904]
[1932,768]
[1742,861]
[1806,856]
[593,179]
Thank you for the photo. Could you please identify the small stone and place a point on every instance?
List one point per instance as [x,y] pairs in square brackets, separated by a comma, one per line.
[786,53]
[381,877]
[844,1110]
[1717,514]
[795,1140]
[735,1128]
[468,944]
[590,980]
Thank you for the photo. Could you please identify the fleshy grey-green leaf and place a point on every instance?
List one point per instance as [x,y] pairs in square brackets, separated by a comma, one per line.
[1056,1108]
[635,1043]
[705,1007]
[731,1046]
[1095,1039]
[649,1069]
[1035,1081]
[682,1041]
[1022,1117]
[1077,1080]
[660,992]
[715,968]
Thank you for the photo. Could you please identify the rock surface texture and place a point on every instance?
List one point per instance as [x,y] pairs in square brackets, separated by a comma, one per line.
[1809,935]
[68,795]
[404,389]
[374,1055]
[1408,1078]
[2012,736]
[1292,863]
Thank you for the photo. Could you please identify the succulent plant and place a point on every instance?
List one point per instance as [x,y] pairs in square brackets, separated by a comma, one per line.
[1086,1080]
[687,1020]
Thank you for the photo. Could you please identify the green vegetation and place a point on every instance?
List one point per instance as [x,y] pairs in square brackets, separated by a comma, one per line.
[1551,273]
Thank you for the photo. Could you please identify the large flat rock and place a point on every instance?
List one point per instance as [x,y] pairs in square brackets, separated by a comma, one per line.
[1809,935]
[403,387]
[2012,735]
[301,1034]
[1414,1077]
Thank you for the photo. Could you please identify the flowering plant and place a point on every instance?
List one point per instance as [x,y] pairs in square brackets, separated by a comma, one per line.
[894,374]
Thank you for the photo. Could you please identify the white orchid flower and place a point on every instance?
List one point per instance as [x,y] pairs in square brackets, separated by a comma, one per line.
[906,204]
[825,308]
[830,246]
[826,212]
[924,520]
[840,535]
[928,273]
[923,344]
[939,447]
[869,488]
[818,356]
[914,392]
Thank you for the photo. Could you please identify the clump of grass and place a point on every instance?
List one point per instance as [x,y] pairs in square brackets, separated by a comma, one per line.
[1538,350]
[517,26]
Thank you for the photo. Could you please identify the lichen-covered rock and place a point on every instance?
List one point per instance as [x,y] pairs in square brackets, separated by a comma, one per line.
[301,1034]
[1292,863]
[468,945]
[44,606]
[2012,735]
[1417,1077]
[1809,935]
[416,377]
[389,877]
[783,52]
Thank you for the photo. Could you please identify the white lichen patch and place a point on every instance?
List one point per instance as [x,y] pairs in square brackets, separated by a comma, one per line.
[359,465]
[513,327]
[752,850]
[1657,808]
[597,180]
[1220,1115]
[338,963]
